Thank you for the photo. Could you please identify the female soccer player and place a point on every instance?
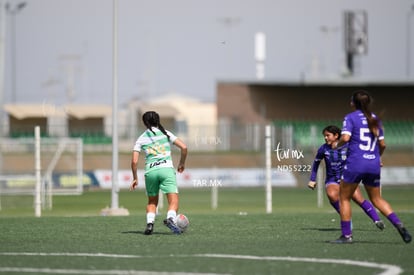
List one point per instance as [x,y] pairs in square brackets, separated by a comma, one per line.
[363,133]
[159,169]
[334,160]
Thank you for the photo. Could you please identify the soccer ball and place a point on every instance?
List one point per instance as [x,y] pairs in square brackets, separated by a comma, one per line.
[182,222]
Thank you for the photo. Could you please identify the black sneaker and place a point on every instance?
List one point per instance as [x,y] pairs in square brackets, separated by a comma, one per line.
[149,229]
[172,226]
[404,233]
[343,240]
[380,224]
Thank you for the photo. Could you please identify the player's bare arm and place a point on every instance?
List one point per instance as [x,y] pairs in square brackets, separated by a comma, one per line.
[183,156]
[134,167]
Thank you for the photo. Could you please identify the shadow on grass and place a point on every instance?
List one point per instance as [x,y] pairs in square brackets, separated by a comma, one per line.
[142,233]
[360,241]
[338,229]
[321,229]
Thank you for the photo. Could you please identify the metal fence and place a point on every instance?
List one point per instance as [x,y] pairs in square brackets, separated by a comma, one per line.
[230,136]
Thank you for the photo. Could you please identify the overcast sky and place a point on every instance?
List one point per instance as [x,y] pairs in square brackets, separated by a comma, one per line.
[63,48]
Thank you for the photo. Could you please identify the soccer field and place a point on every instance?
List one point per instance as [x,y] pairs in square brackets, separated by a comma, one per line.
[236,238]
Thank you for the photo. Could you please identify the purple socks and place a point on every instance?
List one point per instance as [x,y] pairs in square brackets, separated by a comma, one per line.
[346,228]
[370,210]
[393,218]
[335,205]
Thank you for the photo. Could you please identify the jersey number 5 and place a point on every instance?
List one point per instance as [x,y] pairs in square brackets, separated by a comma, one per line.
[365,136]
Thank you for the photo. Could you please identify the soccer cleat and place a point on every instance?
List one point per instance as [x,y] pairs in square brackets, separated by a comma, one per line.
[149,229]
[380,224]
[404,233]
[170,223]
[343,240]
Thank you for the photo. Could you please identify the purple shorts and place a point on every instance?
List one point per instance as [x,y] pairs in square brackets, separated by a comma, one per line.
[332,180]
[371,179]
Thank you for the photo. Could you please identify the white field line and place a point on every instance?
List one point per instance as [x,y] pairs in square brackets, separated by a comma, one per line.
[69,254]
[387,268]
[94,272]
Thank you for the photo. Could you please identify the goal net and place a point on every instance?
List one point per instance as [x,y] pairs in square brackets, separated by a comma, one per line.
[59,162]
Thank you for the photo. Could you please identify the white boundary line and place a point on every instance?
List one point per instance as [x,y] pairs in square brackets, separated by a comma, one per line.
[387,268]
[95,272]
[70,254]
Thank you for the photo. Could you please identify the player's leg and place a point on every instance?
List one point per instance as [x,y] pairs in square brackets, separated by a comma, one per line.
[345,195]
[332,192]
[382,205]
[173,203]
[385,208]
[152,188]
[368,208]
[168,185]
[170,221]
[151,210]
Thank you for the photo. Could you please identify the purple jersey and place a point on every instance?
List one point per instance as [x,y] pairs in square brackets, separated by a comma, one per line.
[363,151]
[334,160]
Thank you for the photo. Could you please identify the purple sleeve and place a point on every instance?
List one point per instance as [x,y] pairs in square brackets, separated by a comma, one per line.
[318,158]
[347,125]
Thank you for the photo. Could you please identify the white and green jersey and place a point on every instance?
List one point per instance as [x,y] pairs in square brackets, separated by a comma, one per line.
[157,148]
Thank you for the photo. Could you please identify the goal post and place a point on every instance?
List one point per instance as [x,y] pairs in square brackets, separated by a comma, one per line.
[40,167]
[37,201]
[62,146]
[268,168]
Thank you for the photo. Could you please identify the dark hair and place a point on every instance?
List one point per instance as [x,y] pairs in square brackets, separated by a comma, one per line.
[332,129]
[152,119]
[362,101]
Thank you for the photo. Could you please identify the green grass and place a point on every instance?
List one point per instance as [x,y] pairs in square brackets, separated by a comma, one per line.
[291,240]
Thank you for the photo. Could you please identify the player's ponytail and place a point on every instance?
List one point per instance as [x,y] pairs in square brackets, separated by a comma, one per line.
[163,130]
[152,119]
[362,101]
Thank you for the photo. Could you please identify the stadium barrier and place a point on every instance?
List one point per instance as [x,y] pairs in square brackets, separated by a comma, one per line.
[234,177]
